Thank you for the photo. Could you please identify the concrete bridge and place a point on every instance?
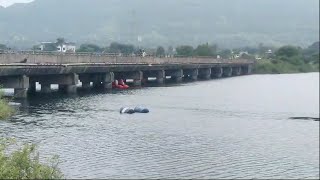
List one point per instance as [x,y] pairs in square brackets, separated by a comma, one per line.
[22,70]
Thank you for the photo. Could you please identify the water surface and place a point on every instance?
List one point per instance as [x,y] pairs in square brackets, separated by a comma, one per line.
[229,128]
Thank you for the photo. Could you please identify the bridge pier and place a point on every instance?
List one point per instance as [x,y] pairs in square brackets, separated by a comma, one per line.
[32,87]
[158,74]
[20,93]
[45,88]
[107,80]
[217,72]
[246,69]
[100,80]
[176,75]
[236,71]
[67,82]
[20,84]
[205,73]
[191,74]
[227,71]
[69,89]
[85,84]
[161,76]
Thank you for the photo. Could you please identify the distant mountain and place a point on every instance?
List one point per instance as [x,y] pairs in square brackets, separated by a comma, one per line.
[228,23]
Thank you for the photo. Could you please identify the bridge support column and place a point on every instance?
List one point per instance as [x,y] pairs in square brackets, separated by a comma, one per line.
[20,84]
[246,69]
[137,78]
[227,71]
[161,76]
[191,74]
[20,93]
[176,75]
[145,78]
[32,87]
[236,71]
[217,72]
[96,84]
[85,84]
[107,80]
[205,73]
[158,74]
[69,89]
[68,83]
[46,88]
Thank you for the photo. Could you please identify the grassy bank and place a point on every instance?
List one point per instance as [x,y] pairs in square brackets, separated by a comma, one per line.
[5,110]
[283,67]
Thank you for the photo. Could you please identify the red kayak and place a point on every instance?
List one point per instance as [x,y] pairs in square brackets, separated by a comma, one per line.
[119,85]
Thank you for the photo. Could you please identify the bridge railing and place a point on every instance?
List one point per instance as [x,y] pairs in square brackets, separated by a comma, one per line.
[41,57]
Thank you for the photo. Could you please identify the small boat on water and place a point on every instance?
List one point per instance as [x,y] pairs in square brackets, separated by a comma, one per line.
[119,84]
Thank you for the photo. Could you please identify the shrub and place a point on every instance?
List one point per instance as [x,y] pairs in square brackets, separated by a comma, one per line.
[5,109]
[24,163]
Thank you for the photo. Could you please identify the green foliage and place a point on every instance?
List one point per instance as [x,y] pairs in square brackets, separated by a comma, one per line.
[185,51]
[3,47]
[50,47]
[205,50]
[226,53]
[24,163]
[278,66]
[247,56]
[288,51]
[5,110]
[89,48]
[290,59]
[60,41]
[121,48]
[311,54]
[160,52]
[170,50]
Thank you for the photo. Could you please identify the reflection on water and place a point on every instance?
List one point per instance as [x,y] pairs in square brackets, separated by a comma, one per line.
[230,128]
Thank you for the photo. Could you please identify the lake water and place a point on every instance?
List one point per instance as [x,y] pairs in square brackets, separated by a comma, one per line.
[228,128]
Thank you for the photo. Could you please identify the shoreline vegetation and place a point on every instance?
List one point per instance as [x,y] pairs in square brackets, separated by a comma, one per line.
[5,110]
[24,162]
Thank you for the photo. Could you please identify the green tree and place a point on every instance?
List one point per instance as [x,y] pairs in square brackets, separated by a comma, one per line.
[121,48]
[185,50]
[170,50]
[60,41]
[311,54]
[206,50]
[288,51]
[25,164]
[160,52]
[50,47]
[89,48]
[3,47]
[247,56]
[225,54]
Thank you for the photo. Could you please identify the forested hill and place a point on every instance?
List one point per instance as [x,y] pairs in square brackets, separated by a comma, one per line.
[228,23]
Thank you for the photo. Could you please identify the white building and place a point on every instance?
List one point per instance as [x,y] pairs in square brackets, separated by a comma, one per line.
[42,46]
[67,47]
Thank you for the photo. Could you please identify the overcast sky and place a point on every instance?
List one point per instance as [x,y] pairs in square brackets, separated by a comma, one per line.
[7,3]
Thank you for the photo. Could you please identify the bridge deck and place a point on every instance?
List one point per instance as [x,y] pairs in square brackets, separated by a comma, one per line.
[22,71]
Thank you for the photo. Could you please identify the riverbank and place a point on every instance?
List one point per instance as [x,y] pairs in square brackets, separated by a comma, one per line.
[266,66]
[5,110]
